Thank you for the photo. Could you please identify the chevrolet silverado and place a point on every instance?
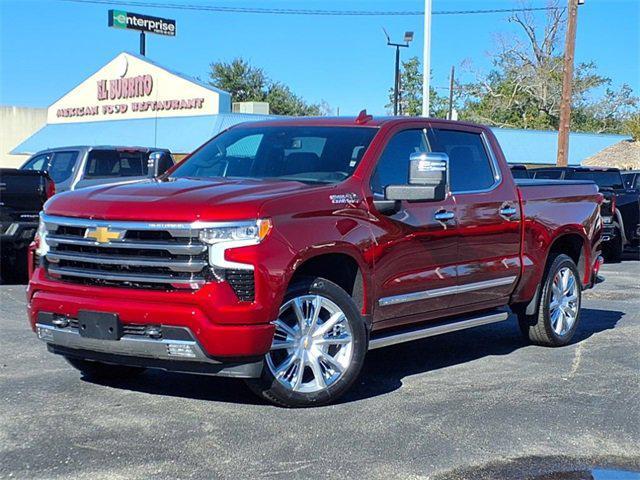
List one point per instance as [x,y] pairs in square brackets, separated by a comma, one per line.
[282,251]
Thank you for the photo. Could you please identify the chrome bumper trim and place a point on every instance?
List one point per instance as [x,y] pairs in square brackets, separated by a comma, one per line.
[127,345]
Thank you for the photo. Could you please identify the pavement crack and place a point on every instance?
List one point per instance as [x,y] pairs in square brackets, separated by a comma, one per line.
[577,358]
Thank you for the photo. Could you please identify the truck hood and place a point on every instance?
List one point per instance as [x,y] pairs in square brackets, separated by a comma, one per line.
[175,200]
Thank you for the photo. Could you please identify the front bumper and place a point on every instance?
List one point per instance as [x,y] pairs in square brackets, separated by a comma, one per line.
[176,350]
[223,327]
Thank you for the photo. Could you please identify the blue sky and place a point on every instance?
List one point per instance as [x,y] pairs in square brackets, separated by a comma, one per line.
[47,47]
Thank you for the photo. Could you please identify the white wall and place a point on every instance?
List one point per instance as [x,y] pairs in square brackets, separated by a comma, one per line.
[16,124]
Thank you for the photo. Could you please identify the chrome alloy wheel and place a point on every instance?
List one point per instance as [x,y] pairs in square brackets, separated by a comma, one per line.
[312,345]
[564,302]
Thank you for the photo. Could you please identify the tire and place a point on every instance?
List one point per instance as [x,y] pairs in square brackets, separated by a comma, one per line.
[613,249]
[313,362]
[104,371]
[549,326]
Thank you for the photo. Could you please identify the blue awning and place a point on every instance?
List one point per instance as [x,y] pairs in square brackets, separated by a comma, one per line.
[178,134]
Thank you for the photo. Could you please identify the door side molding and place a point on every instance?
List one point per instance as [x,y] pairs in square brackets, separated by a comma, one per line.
[440,292]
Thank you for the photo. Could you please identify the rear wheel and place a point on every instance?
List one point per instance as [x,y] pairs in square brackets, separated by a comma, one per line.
[318,347]
[558,310]
[104,371]
[613,249]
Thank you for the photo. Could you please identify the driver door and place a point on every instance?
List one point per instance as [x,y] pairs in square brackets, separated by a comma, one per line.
[416,253]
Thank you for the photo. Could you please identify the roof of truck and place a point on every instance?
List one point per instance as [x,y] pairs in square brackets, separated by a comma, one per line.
[365,121]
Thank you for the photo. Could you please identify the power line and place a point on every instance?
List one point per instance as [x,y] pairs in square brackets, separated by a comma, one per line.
[290,11]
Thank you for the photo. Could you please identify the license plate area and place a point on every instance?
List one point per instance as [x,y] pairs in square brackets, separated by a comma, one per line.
[99,325]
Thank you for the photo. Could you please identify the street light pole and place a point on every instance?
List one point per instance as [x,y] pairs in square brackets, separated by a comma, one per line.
[567,82]
[408,37]
[426,59]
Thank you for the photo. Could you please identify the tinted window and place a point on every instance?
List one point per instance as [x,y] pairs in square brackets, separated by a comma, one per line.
[519,173]
[116,163]
[602,178]
[469,165]
[62,166]
[547,174]
[637,182]
[39,162]
[393,165]
[305,154]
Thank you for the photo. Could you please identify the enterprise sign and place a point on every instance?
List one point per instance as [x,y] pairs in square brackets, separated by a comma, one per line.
[143,23]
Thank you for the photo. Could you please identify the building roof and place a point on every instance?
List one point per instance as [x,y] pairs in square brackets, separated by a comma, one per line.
[178,134]
[624,155]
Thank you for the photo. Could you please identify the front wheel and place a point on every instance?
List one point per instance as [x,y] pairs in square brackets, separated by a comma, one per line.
[318,348]
[558,310]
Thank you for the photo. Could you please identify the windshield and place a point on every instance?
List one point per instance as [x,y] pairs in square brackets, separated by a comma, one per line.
[305,154]
[602,178]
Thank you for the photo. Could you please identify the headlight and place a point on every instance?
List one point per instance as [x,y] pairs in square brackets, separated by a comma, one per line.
[232,235]
[41,236]
[253,231]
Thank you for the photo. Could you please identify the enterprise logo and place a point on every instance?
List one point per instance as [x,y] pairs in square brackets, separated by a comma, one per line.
[144,23]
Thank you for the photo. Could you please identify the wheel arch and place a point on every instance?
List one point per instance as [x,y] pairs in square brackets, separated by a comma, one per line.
[341,266]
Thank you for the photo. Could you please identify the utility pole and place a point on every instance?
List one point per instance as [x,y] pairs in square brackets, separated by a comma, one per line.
[143,47]
[567,82]
[453,72]
[426,58]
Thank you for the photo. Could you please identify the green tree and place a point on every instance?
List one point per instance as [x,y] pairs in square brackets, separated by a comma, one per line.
[247,83]
[524,88]
[410,103]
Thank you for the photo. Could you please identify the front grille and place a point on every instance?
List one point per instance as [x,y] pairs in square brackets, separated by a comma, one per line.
[126,254]
[242,283]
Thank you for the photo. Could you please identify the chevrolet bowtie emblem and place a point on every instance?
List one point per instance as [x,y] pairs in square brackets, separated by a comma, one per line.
[103,234]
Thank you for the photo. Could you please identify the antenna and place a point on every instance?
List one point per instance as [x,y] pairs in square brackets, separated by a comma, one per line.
[363,117]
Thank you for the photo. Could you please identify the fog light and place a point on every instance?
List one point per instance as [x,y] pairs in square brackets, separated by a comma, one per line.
[180,350]
[45,334]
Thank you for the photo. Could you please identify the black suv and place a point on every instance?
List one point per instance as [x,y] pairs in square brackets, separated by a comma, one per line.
[621,208]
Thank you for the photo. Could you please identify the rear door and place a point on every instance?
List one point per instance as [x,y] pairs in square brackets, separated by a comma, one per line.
[415,259]
[487,216]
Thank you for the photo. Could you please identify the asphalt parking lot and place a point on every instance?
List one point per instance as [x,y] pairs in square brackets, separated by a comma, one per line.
[473,404]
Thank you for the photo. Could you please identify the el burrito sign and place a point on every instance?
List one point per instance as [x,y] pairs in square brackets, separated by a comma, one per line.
[131,87]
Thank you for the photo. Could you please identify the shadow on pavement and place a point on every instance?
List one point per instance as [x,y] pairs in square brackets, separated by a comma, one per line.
[383,370]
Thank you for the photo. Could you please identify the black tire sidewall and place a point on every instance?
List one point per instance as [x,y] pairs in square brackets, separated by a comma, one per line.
[559,262]
[274,391]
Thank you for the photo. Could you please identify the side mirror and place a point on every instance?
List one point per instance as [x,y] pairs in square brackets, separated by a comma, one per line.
[159,163]
[428,179]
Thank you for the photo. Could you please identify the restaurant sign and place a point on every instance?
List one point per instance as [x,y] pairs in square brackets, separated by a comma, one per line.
[129,87]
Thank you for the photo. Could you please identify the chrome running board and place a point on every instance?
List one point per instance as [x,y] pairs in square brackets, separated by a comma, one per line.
[430,330]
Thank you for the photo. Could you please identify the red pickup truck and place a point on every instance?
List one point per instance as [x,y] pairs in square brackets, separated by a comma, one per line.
[281,251]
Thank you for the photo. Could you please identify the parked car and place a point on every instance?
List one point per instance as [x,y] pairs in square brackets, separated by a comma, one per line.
[631,179]
[78,167]
[281,251]
[620,209]
[519,171]
[22,194]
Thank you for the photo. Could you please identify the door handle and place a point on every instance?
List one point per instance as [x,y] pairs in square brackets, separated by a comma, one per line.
[444,215]
[507,211]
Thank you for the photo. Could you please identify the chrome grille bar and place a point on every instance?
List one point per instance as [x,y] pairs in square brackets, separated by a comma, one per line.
[176,249]
[192,266]
[123,277]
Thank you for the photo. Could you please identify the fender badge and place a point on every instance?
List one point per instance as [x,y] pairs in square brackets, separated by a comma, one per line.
[344,198]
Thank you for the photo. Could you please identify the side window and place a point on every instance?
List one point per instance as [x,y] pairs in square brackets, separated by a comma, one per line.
[62,166]
[547,174]
[39,162]
[469,164]
[393,165]
[637,181]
